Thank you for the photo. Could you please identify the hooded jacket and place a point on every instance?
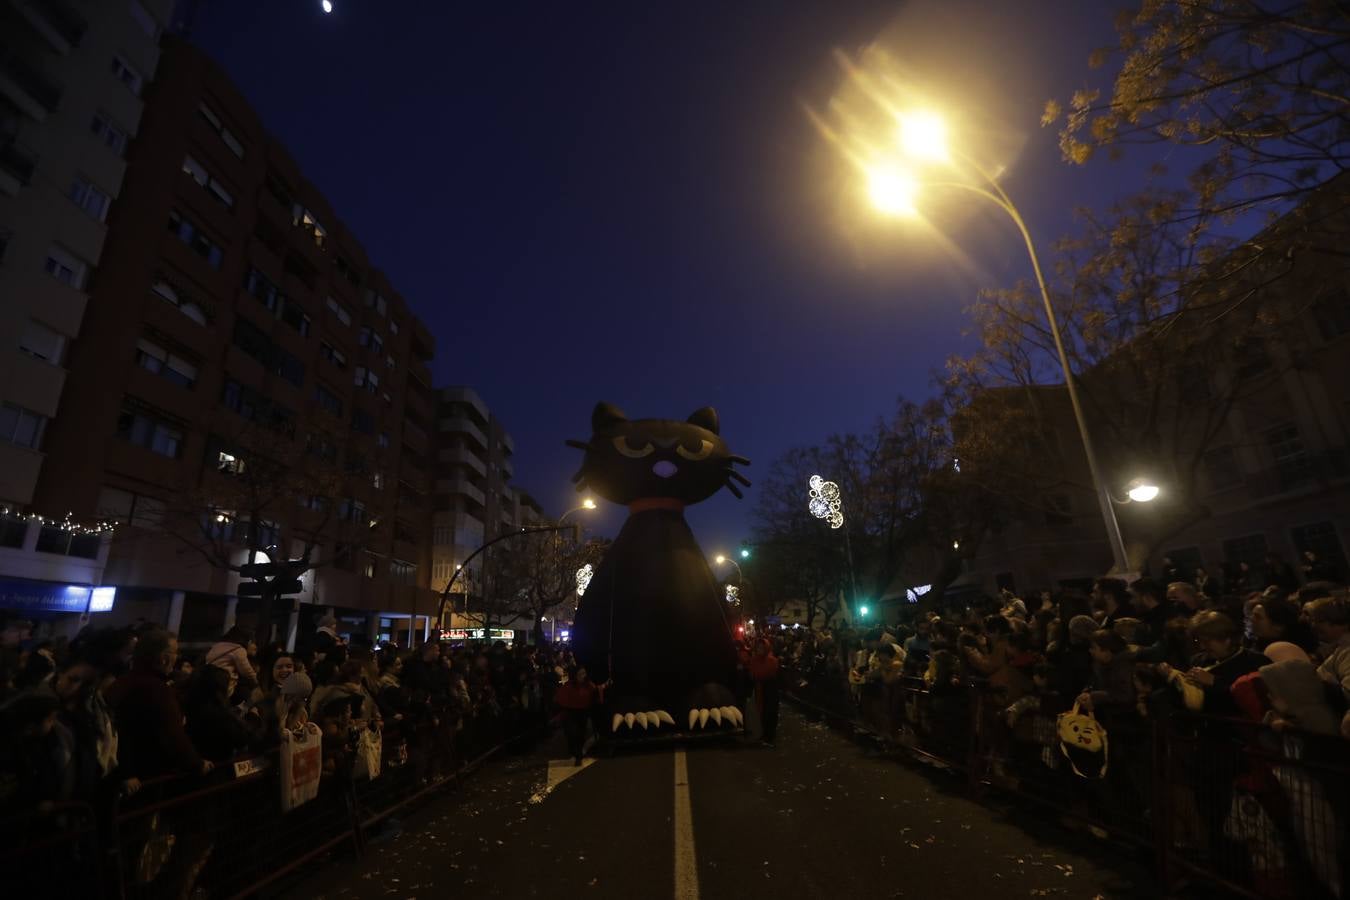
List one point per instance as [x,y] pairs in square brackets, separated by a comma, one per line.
[1296,687]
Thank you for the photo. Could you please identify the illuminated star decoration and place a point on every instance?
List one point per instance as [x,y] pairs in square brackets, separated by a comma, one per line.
[733,594]
[584,578]
[826,502]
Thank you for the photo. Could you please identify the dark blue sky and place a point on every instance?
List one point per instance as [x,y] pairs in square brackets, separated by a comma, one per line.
[627,202]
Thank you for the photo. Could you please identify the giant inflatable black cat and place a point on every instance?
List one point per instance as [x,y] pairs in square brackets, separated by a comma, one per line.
[653,618]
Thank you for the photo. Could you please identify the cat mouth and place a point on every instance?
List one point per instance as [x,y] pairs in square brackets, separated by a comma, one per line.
[665,469]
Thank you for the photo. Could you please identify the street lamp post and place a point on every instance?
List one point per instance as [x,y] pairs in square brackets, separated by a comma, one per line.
[893,192]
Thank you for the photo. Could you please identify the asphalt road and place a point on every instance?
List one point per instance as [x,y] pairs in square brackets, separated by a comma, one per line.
[818,816]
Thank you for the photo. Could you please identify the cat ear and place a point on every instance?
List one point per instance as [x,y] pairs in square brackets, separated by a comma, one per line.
[704,418]
[606,415]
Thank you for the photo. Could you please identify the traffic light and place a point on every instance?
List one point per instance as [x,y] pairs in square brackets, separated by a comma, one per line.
[277,579]
[745,553]
[863,610]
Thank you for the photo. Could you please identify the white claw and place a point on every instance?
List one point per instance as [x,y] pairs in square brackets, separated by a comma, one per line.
[737,717]
[729,714]
[653,719]
[641,719]
[716,715]
[614,725]
[665,717]
[702,717]
[693,718]
[628,719]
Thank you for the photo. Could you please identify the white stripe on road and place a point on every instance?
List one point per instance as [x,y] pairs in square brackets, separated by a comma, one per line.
[686,864]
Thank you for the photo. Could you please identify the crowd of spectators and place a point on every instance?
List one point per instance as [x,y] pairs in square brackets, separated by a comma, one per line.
[97,716]
[1267,669]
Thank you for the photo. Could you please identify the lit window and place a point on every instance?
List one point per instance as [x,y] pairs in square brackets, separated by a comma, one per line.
[370,339]
[42,342]
[21,426]
[126,73]
[377,302]
[377,479]
[90,199]
[65,267]
[307,222]
[393,327]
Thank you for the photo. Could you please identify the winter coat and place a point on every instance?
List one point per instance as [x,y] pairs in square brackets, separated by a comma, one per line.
[149,721]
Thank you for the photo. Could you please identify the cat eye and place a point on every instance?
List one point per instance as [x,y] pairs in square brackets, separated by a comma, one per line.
[702,452]
[621,444]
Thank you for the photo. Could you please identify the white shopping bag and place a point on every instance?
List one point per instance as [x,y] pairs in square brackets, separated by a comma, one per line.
[369,749]
[301,765]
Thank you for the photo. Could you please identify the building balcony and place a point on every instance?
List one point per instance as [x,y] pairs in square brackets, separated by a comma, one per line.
[16,166]
[508,442]
[465,426]
[463,456]
[30,90]
[420,371]
[462,487]
[467,395]
[58,24]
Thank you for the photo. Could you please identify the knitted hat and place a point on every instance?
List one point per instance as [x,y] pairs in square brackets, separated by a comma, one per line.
[297,686]
[1081,627]
[1279,651]
[1295,683]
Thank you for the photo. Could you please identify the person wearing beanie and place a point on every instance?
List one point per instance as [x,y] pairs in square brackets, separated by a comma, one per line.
[1297,697]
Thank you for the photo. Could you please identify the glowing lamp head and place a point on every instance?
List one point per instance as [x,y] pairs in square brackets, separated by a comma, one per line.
[892,191]
[719,559]
[1142,491]
[745,554]
[588,503]
[327,6]
[923,135]
[863,610]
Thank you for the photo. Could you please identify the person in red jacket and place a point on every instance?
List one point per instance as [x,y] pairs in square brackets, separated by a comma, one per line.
[763,666]
[149,720]
[575,699]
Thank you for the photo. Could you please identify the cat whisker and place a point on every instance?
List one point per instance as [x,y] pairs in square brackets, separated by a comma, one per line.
[738,459]
[739,477]
[735,491]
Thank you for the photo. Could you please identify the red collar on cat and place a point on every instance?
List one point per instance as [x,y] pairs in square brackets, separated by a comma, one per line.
[643,504]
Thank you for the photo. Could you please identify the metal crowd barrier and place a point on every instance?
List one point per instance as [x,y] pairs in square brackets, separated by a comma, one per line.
[225,835]
[1262,813]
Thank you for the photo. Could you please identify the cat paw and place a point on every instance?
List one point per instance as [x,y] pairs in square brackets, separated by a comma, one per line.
[720,716]
[646,720]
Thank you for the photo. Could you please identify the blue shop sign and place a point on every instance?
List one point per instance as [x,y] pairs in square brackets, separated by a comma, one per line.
[47,596]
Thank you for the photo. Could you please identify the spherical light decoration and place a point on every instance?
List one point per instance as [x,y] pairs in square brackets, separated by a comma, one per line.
[584,578]
[826,501]
[733,594]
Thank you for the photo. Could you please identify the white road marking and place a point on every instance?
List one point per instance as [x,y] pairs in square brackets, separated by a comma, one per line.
[686,864]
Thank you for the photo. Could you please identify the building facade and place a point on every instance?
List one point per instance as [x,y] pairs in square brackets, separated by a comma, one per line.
[474,501]
[247,379]
[1260,439]
[73,82]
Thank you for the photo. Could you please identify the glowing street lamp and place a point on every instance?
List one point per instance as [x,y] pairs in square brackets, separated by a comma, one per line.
[922,142]
[327,6]
[1141,490]
[723,560]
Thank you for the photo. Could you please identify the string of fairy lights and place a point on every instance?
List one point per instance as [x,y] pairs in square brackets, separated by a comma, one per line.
[65,524]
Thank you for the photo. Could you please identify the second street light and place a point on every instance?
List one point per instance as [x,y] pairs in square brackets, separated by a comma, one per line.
[919,156]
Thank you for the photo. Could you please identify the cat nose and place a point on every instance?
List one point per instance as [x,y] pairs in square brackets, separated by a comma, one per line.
[665,468]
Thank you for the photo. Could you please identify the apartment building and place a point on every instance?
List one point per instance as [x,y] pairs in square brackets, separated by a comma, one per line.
[246,378]
[1259,438]
[473,500]
[73,77]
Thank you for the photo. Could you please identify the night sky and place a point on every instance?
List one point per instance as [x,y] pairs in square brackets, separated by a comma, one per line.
[629,202]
